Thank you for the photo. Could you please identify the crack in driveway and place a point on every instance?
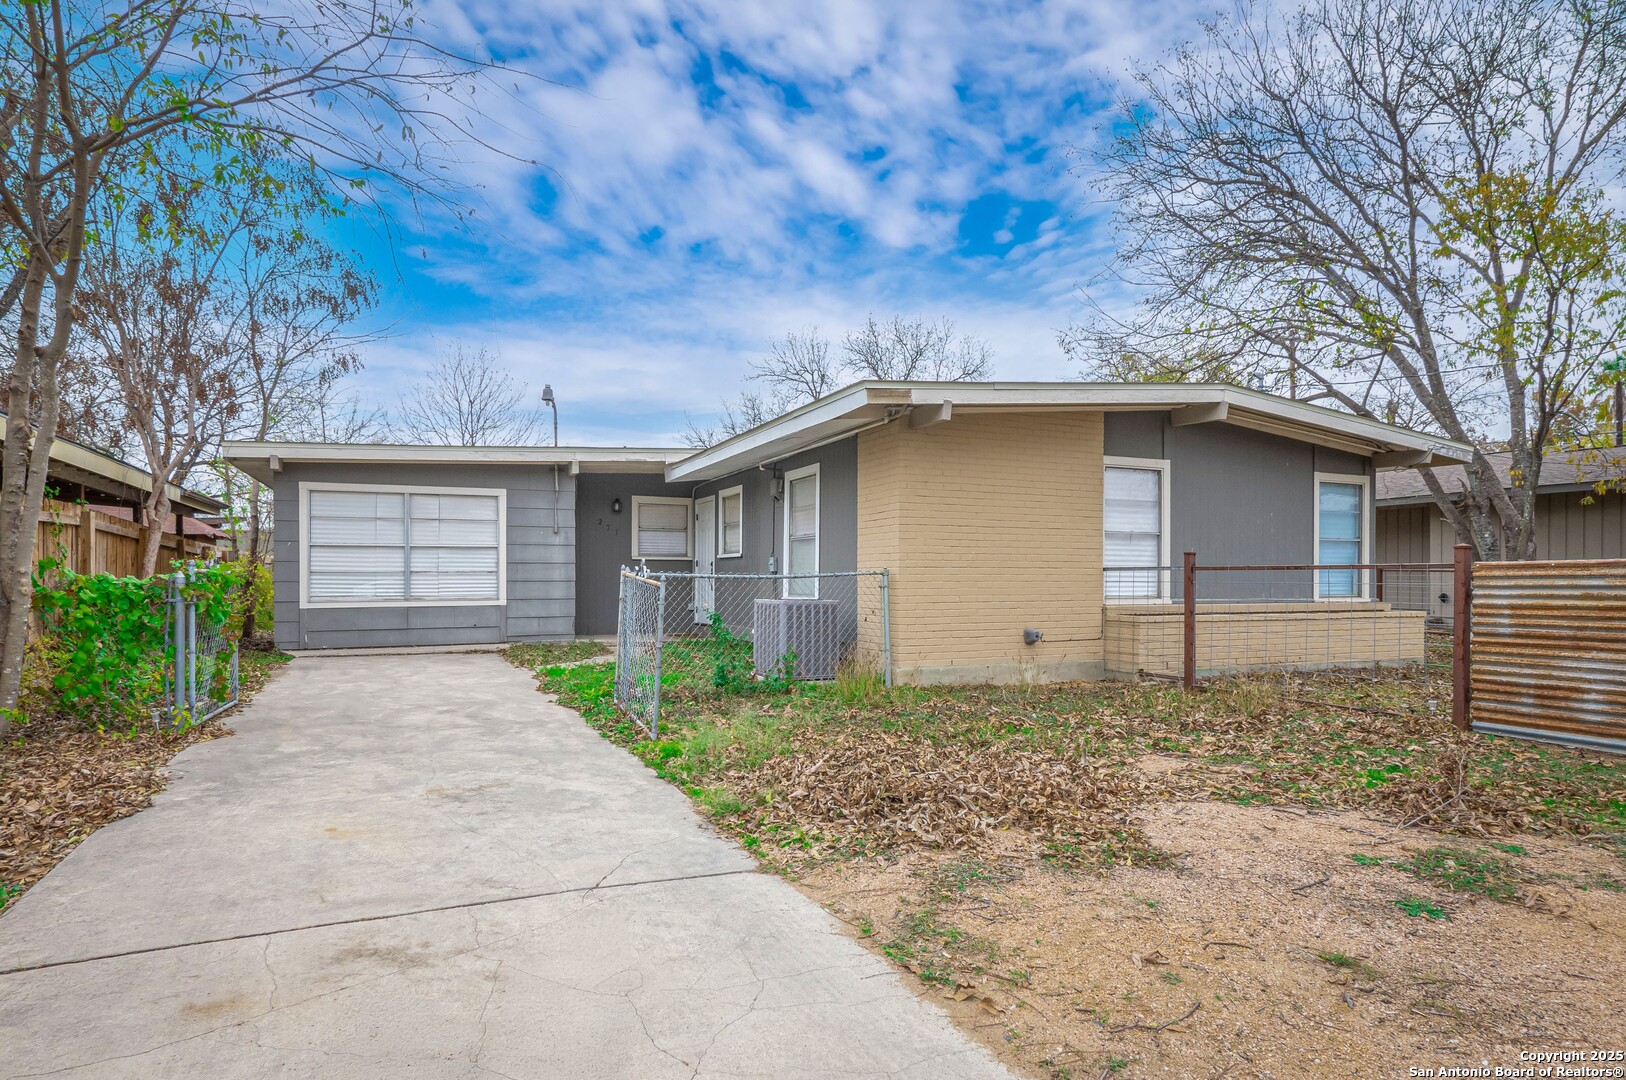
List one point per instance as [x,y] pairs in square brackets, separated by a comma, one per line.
[253,934]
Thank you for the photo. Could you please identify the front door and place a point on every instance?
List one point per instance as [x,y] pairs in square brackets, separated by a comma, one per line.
[705,558]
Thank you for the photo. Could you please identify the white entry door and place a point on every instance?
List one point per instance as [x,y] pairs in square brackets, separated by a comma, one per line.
[705,558]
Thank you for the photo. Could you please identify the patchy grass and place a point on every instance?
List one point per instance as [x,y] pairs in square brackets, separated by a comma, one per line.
[1347,963]
[538,655]
[60,781]
[1417,907]
[1477,873]
[853,767]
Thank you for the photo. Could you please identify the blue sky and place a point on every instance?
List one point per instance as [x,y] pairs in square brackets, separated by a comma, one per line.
[717,174]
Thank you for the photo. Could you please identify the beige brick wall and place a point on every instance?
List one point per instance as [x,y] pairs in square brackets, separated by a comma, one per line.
[1250,637]
[989,524]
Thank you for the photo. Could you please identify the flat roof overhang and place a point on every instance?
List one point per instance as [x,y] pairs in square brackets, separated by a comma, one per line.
[868,404]
[119,481]
[263,460]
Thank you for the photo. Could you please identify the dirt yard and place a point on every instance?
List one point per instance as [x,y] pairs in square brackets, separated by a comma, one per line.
[1265,949]
[1271,877]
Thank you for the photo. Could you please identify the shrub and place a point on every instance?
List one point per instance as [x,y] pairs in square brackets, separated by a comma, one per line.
[105,646]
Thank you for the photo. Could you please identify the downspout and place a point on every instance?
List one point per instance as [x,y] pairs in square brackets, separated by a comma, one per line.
[556,500]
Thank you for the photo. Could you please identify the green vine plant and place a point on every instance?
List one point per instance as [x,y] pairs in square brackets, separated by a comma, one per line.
[104,647]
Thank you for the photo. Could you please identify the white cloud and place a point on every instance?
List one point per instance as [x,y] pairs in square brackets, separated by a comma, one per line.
[822,176]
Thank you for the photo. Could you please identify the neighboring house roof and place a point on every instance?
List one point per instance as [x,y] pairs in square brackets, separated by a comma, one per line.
[107,475]
[867,404]
[263,460]
[192,527]
[1561,470]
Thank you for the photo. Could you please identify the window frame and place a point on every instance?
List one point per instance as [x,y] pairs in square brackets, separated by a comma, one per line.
[1165,584]
[737,491]
[408,490]
[818,529]
[639,501]
[1362,578]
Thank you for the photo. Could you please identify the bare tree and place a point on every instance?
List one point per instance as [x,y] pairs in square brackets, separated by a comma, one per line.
[1395,207]
[902,349]
[799,368]
[468,399]
[294,303]
[157,316]
[202,89]
[338,415]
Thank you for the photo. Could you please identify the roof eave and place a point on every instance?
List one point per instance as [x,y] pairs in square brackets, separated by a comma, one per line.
[263,460]
[855,407]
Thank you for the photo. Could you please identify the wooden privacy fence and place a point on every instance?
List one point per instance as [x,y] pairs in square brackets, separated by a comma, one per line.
[90,542]
[1548,651]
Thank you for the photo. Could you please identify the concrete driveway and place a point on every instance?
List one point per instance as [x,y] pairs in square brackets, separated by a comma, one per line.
[418,866]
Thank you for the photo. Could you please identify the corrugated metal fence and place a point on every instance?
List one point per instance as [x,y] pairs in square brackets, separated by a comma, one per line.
[1549,651]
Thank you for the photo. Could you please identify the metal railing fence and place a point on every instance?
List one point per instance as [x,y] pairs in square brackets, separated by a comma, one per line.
[1191,621]
[689,633]
[201,679]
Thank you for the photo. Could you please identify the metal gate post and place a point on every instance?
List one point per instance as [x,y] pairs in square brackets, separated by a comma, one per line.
[660,641]
[191,610]
[620,631]
[1189,667]
[886,623]
[1461,636]
[177,622]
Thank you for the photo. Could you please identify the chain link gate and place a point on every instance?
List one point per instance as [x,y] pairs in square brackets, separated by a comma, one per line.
[638,650]
[201,676]
[710,633]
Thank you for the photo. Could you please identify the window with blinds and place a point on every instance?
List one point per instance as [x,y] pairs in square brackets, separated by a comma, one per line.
[1339,538]
[1133,512]
[802,532]
[731,538]
[662,528]
[378,546]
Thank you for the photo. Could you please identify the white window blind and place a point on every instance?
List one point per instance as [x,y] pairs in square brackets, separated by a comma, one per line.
[802,534]
[454,547]
[731,541]
[1340,537]
[387,545]
[1133,510]
[661,528]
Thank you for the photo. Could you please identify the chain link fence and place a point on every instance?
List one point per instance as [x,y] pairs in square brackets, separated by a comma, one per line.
[638,650]
[682,632]
[201,679]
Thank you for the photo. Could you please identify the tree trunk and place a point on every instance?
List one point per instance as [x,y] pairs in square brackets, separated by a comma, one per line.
[253,556]
[25,463]
[156,512]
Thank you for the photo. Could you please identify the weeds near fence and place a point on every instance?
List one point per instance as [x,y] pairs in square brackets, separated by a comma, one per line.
[104,654]
[850,767]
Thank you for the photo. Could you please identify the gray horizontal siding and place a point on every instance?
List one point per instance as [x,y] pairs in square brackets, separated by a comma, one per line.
[541,575]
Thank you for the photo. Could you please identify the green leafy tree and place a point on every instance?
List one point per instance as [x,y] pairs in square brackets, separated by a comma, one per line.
[100,95]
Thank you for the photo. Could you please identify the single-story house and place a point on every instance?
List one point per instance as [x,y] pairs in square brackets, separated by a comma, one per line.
[1573,520]
[996,508]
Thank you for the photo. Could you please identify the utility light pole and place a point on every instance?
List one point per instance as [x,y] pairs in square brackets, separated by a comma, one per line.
[547,399]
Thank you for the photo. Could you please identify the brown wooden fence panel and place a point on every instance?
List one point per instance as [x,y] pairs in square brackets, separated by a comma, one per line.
[90,542]
[1549,651]
[118,548]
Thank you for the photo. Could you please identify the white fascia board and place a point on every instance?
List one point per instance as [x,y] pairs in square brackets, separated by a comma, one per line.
[254,458]
[1373,435]
[829,417]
